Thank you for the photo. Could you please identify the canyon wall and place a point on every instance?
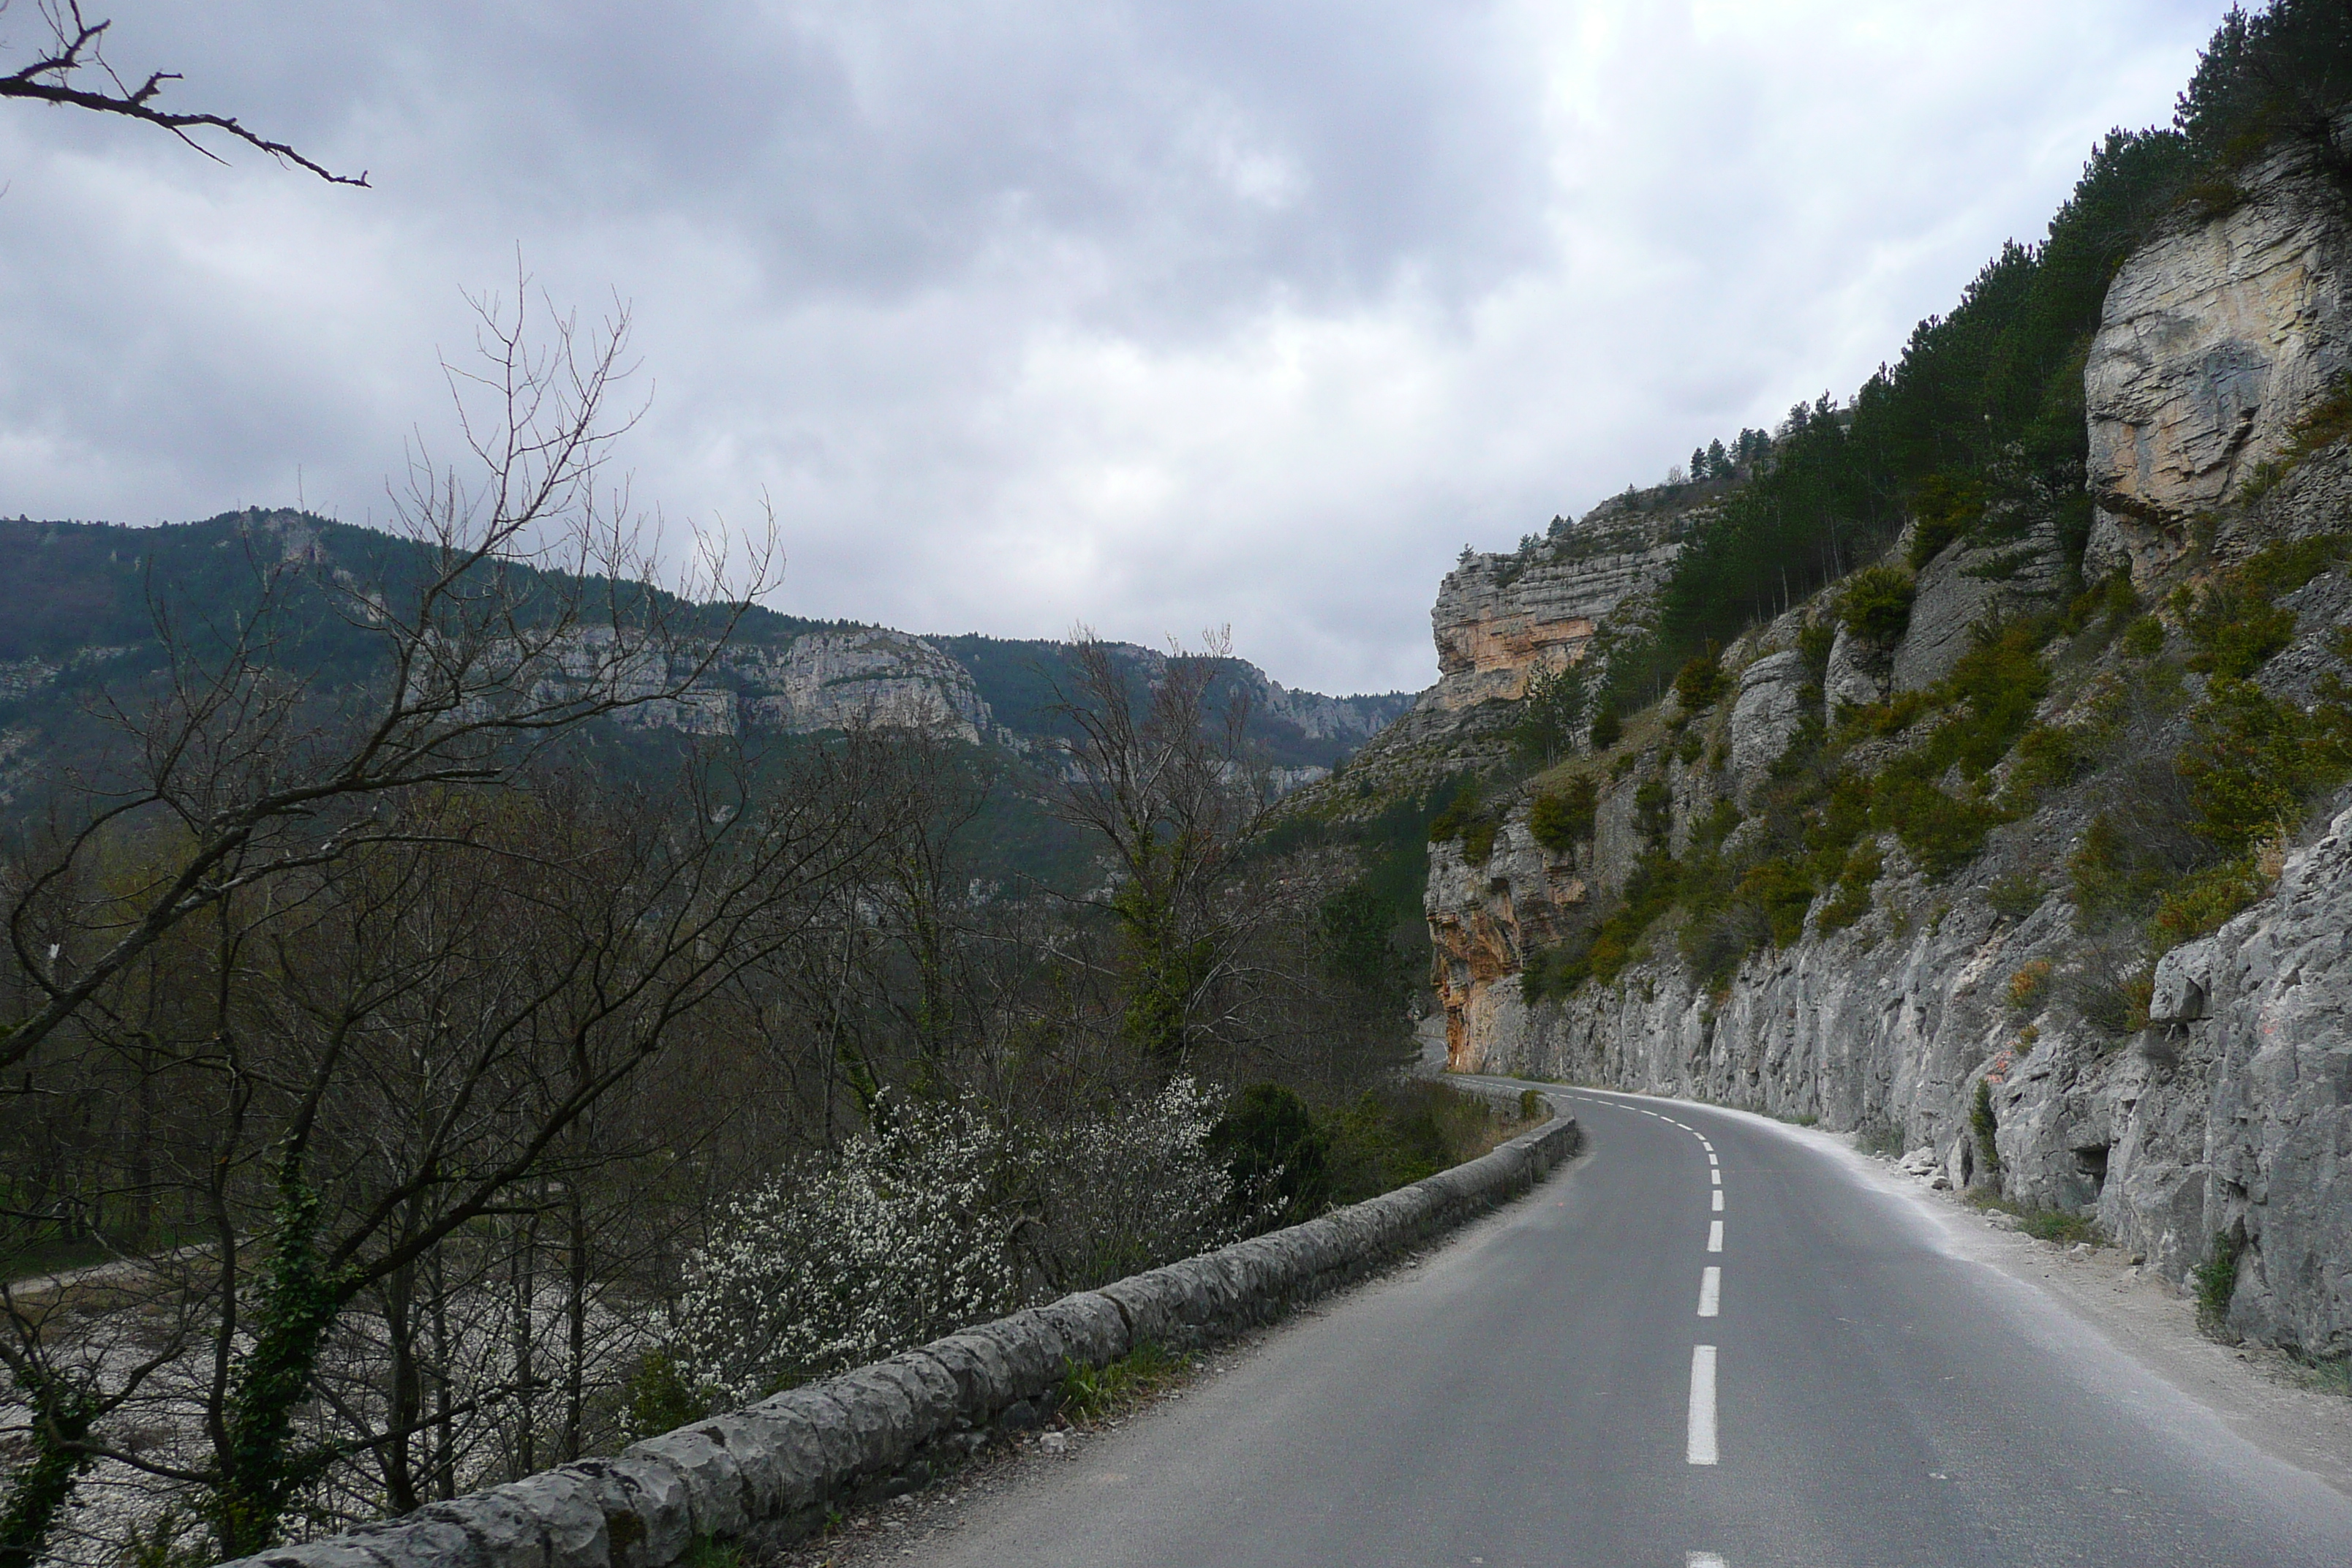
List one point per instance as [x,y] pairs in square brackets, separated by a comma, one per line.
[2228,1117]
[2214,338]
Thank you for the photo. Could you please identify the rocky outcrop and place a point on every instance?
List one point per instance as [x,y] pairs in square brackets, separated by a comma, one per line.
[1319,718]
[1858,672]
[2226,1121]
[767,1476]
[1484,919]
[2230,1115]
[1499,619]
[866,675]
[2213,341]
[831,679]
[1766,716]
[2257,1011]
[1970,585]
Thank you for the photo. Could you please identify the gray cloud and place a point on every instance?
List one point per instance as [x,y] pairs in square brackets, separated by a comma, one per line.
[1156,316]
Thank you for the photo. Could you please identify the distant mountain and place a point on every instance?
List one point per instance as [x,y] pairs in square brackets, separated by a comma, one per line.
[79,603]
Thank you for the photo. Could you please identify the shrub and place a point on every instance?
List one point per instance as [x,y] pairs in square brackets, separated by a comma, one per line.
[1654,812]
[2252,761]
[2029,985]
[1274,1153]
[2017,896]
[1851,900]
[1478,840]
[943,1215]
[1939,832]
[1561,822]
[1947,507]
[2217,1283]
[1457,815]
[1814,643]
[2204,901]
[1877,605]
[2050,756]
[2235,631]
[1783,893]
[1982,1123]
[1702,681]
[2144,638]
[1608,728]
[2109,874]
[1389,1137]
[2111,597]
[1892,717]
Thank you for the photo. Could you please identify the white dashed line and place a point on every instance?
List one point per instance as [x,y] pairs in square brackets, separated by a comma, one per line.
[1711,1159]
[1716,1177]
[1710,1291]
[1704,1560]
[1714,1236]
[1718,1200]
[1700,1448]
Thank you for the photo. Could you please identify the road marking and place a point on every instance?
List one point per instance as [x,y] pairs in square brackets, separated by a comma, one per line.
[1718,1200]
[1704,1560]
[1716,1177]
[1700,1448]
[1710,1291]
[1714,1236]
[1710,1157]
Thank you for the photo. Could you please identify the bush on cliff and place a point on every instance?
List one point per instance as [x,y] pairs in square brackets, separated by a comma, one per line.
[1877,605]
[1561,821]
[1702,682]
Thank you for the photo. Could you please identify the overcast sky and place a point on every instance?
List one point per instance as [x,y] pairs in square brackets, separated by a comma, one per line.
[1158,317]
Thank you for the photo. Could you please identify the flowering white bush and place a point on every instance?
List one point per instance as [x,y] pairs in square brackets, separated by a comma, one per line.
[944,1216]
[1129,1190]
[904,1237]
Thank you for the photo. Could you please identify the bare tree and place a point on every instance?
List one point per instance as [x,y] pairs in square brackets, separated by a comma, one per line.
[1168,788]
[74,55]
[260,891]
[531,613]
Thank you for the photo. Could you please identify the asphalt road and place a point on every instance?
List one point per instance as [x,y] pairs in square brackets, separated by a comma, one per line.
[1563,1385]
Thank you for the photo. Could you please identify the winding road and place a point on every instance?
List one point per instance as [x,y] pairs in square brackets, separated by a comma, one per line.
[1705,1342]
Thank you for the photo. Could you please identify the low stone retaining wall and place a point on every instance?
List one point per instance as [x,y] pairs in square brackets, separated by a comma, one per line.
[768,1474]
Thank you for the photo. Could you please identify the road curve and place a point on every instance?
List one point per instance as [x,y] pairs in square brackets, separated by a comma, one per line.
[1705,1342]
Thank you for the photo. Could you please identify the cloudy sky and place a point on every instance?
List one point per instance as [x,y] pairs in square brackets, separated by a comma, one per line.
[1156,316]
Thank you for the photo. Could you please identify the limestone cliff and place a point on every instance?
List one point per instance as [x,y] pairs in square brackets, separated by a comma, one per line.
[1500,618]
[2214,338]
[2222,1107]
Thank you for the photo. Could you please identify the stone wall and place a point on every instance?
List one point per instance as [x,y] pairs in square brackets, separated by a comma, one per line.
[767,1474]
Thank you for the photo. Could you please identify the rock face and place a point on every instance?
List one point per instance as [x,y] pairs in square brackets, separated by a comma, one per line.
[1484,919]
[831,679]
[1858,672]
[2230,1115]
[2257,1011]
[1765,718]
[1499,619]
[2214,338]
[1965,586]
